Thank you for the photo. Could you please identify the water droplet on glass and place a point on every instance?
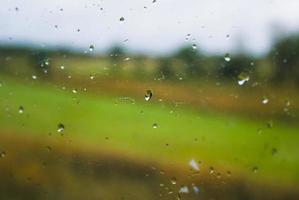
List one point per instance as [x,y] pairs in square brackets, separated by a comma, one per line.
[62,67]
[127,59]
[91,76]
[196,189]
[194,165]
[91,48]
[211,170]
[122,19]
[243,78]
[265,100]
[194,46]
[60,128]
[255,169]
[148,95]
[21,109]
[173,181]
[228,173]
[227,57]
[184,189]
[34,77]
[75,91]
[155,125]
[2,154]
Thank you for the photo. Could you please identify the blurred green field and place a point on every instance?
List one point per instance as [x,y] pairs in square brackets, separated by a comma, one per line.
[257,150]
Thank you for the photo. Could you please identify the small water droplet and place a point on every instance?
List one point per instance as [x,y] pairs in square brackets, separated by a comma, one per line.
[243,78]
[127,59]
[75,91]
[218,175]
[255,169]
[155,125]
[148,95]
[194,46]
[227,57]
[265,100]
[91,48]
[228,173]
[196,189]
[62,67]
[91,76]
[184,189]
[211,170]
[60,128]
[34,77]
[173,181]
[122,19]
[21,109]
[3,154]
[193,164]
[270,124]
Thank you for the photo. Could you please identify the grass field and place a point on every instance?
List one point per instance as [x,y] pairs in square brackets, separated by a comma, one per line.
[252,149]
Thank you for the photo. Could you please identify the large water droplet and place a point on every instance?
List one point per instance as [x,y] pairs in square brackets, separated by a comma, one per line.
[184,189]
[193,164]
[2,154]
[148,95]
[173,181]
[91,48]
[243,78]
[227,57]
[60,128]
[21,109]
[265,100]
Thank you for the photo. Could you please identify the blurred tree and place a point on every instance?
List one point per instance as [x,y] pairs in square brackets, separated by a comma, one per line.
[191,59]
[285,58]
[116,54]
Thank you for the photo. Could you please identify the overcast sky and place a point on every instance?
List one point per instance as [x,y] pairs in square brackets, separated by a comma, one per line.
[148,27]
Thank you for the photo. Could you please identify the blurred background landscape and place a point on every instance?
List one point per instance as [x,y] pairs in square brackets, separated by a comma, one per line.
[149,100]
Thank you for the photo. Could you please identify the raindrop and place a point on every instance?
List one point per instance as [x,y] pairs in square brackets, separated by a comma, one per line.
[75,91]
[196,189]
[62,67]
[194,46]
[34,77]
[91,48]
[91,76]
[148,95]
[21,109]
[227,36]
[2,154]
[173,181]
[218,175]
[184,189]
[194,165]
[255,169]
[243,78]
[270,124]
[211,170]
[122,19]
[127,59]
[155,125]
[227,57]
[60,128]
[265,100]
[228,173]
